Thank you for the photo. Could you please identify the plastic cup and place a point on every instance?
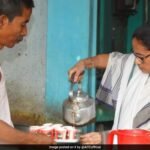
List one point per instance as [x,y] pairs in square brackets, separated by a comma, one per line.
[60,133]
[71,132]
[34,129]
[47,125]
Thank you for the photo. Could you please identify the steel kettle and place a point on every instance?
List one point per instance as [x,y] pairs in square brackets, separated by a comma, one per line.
[78,108]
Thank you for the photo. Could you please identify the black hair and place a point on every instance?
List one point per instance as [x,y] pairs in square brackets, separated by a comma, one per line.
[13,8]
[143,34]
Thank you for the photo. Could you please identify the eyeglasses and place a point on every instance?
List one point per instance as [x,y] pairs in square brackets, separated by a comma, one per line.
[141,58]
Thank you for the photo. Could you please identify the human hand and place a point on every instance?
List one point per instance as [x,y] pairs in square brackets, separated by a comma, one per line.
[76,73]
[91,138]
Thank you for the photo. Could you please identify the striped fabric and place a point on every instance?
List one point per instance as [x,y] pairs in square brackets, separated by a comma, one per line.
[110,86]
[144,113]
[108,90]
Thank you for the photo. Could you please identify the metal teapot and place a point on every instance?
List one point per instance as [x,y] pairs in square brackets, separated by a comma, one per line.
[78,108]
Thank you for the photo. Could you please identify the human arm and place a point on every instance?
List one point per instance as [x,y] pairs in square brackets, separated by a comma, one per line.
[99,62]
[9,135]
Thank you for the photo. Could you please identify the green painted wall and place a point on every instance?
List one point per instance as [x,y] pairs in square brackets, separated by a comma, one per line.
[134,22]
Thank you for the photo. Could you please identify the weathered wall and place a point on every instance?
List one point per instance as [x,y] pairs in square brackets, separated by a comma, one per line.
[24,68]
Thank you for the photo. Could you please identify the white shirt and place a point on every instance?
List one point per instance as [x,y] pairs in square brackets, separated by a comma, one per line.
[4,104]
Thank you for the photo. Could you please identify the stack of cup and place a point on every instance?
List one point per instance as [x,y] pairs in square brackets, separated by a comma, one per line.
[72,132]
[56,131]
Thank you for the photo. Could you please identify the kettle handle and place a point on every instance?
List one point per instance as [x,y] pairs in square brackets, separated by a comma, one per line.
[79,85]
[71,88]
[110,138]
